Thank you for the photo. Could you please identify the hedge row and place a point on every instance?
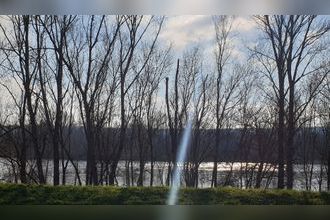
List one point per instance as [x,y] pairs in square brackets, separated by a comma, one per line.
[107,195]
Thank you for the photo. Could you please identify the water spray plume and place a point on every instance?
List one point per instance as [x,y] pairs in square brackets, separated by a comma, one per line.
[181,157]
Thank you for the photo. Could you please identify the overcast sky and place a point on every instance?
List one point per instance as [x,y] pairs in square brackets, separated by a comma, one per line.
[197,30]
[186,31]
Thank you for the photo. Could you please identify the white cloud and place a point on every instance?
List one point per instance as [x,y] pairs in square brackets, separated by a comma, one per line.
[185,31]
[191,30]
[243,24]
[5,23]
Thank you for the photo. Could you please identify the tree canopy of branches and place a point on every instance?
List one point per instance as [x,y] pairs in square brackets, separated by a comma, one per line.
[104,99]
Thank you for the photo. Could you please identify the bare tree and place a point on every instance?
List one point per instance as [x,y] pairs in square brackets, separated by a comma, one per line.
[172,120]
[223,29]
[17,49]
[304,47]
[274,29]
[129,40]
[324,116]
[145,92]
[296,44]
[88,51]
[56,29]
[200,145]
[179,102]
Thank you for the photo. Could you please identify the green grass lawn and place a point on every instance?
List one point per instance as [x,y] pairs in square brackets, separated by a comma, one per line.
[107,195]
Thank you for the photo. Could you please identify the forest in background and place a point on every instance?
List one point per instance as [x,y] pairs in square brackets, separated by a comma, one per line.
[113,77]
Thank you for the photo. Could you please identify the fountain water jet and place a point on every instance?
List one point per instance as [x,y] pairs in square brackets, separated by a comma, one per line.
[181,157]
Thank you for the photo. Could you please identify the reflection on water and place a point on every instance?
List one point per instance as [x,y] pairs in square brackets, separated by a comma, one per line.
[236,174]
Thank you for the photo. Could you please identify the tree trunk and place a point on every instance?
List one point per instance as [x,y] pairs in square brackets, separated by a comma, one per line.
[122,137]
[290,144]
[151,159]
[281,112]
[28,95]
[23,145]
[214,182]
[59,111]
[328,148]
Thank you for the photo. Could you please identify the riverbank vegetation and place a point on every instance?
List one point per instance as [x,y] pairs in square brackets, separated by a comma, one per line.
[109,195]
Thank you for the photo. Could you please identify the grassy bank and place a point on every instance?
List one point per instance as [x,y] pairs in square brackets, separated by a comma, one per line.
[104,195]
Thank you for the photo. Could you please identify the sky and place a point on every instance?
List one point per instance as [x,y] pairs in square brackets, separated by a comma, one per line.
[187,31]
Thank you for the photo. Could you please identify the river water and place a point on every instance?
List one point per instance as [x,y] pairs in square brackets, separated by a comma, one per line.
[241,175]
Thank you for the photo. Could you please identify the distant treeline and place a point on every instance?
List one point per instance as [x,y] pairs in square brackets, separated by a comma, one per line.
[233,147]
